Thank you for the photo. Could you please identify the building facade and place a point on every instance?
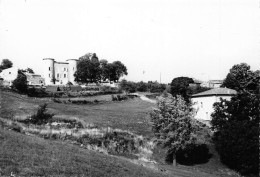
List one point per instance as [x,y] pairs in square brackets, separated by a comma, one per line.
[10,74]
[59,73]
[34,79]
[212,83]
[203,102]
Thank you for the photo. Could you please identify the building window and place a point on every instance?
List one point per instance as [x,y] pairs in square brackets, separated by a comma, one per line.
[49,68]
[58,75]
[9,72]
[64,75]
[64,69]
[73,68]
[49,75]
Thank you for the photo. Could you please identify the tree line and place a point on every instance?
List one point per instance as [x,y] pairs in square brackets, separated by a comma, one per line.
[92,70]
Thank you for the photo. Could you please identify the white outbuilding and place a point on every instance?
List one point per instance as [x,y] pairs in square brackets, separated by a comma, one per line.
[203,102]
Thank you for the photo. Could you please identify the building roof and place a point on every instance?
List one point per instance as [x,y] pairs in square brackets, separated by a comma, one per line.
[72,59]
[215,92]
[60,62]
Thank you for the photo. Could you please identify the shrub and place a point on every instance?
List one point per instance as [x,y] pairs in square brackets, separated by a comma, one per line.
[156,87]
[36,92]
[119,97]
[141,86]
[41,117]
[128,86]
[20,83]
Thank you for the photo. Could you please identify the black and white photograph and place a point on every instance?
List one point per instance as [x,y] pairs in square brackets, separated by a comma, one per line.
[129,88]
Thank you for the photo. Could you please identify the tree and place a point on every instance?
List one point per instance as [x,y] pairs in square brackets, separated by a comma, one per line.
[29,70]
[156,87]
[236,126]
[20,83]
[105,71]
[175,127]
[236,122]
[241,78]
[128,86]
[180,86]
[89,70]
[6,63]
[116,70]
[41,117]
[141,86]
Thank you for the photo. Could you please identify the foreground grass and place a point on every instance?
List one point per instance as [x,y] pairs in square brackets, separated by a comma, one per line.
[33,156]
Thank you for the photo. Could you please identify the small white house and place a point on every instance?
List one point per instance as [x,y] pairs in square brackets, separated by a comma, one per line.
[8,75]
[203,102]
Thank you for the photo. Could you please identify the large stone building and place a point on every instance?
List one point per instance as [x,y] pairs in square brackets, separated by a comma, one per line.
[59,73]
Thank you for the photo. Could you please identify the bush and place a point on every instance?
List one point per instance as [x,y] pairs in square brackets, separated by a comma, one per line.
[141,86]
[156,87]
[128,86]
[20,83]
[37,92]
[119,97]
[41,117]
[193,154]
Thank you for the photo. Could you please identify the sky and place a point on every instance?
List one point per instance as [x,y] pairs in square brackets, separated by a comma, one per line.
[155,39]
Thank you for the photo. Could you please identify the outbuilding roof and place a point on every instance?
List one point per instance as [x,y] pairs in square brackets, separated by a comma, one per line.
[215,92]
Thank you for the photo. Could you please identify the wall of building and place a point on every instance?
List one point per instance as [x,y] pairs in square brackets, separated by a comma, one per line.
[204,106]
[61,71]
[9,75]
[48,70]
[34,79]
[72,69]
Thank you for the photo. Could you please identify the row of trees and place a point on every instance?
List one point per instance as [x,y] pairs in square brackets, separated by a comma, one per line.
[92,70]
[150,86]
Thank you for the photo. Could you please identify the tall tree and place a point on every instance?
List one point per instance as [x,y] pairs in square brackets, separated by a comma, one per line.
[6,63]
[116,69]
[180,86]
[89,70]
[241,78]
[236,122]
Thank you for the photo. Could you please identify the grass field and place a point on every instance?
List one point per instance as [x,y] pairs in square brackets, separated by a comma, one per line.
[35,156]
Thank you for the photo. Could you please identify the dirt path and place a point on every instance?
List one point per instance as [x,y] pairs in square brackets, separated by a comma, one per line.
[144,98]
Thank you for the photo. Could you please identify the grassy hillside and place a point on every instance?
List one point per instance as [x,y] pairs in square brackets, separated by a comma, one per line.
[32,156]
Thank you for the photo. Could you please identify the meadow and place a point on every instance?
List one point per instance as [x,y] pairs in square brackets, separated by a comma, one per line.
[21,153]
